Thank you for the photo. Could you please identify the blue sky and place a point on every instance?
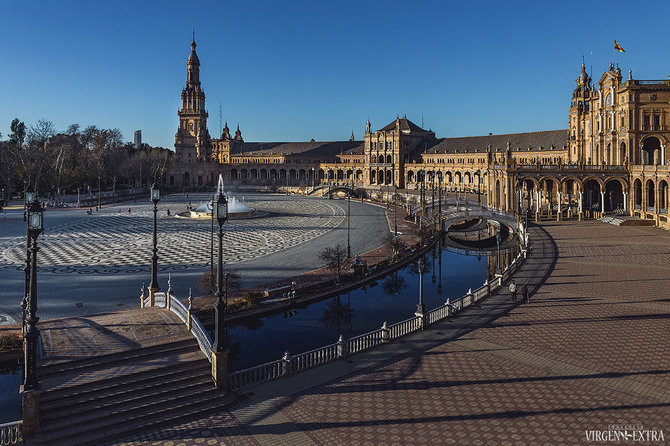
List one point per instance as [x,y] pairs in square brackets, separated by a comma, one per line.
[296,70]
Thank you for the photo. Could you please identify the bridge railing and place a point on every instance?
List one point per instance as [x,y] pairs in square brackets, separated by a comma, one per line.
[11,433]
[289,365]
[169,301]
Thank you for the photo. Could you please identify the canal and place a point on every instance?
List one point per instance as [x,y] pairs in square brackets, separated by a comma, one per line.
[392,299]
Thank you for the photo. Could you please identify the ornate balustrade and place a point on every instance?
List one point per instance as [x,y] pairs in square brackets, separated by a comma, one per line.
[11,433]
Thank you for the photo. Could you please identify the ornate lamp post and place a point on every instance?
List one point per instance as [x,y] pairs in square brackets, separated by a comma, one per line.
[29,198]
[153,286]
[220,348]
[349,219]
[498,269]
[421,308]
[35,227]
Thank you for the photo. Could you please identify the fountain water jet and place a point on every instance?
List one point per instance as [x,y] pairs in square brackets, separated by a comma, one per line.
[235,207]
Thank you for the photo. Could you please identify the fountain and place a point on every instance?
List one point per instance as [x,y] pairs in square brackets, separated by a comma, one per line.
[236,208]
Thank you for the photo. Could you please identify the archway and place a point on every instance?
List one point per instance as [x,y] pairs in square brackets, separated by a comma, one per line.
[591,196]
[389,160]
[651,202]
[613,196]
[637,194]
[623,157]
[380,159]
[373,177]
[663,197]
[389,177]
[410,176]
[651,151]
[498,195]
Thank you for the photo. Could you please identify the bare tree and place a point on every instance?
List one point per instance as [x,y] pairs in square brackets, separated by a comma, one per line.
[334,259]
[395,244]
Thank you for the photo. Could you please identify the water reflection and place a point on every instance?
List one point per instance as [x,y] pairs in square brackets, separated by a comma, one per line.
[391,299]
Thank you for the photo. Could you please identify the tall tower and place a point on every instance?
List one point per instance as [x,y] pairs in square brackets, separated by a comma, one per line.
[192,141]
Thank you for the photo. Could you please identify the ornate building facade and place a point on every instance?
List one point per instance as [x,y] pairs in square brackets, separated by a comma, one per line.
[612,158]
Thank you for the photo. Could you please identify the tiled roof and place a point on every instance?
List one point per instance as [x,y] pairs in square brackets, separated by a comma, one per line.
[544,139]
[405,124]
[312,148]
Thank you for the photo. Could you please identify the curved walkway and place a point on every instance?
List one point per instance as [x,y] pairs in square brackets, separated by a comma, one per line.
[589,351]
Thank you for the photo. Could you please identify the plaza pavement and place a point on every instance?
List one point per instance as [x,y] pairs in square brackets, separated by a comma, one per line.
[92,264]
[590,350]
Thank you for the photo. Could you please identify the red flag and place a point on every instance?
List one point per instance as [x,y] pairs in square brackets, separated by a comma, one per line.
[618,47]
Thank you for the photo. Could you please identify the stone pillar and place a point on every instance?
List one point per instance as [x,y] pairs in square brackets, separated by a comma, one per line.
[30,411]
[602,203]
[625,202]
[580,202]
[537,205]
[558,215]
[220,369]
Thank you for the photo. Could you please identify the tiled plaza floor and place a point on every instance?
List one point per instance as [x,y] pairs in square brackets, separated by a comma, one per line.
[591,350]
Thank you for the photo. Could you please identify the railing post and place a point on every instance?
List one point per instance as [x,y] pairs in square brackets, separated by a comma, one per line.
[143,295]
[288,369]
[472,296]
[341,351]
[385,333]
[488,288]
[168,299]
[450,310]
[190,307]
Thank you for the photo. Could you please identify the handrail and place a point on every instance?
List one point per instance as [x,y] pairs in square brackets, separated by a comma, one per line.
[11,433]
[168,301]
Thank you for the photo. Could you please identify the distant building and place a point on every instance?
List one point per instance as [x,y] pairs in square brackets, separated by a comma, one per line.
[138,139]
[612,159]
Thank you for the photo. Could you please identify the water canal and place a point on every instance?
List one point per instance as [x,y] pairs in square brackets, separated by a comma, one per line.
[392,299]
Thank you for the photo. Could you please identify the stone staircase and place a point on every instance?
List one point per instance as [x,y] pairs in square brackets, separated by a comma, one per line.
[102,399]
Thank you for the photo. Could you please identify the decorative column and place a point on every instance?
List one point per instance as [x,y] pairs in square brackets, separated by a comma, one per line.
[602,203]
[580,215]
[625,202]
[558,216]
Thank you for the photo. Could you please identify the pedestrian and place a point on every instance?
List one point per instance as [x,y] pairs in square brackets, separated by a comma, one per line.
[524,292]
[512,290]
[129,210]
[168,212]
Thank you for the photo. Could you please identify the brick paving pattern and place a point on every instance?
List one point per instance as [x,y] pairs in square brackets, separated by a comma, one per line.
[589,350]
[121,243]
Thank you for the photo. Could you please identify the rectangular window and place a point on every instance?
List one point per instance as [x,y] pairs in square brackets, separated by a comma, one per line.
[657,120]
[646,121]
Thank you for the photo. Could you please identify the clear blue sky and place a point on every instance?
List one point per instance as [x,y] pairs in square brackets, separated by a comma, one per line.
[296,70]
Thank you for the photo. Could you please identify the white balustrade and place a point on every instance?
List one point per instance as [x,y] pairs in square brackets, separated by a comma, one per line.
[11,433]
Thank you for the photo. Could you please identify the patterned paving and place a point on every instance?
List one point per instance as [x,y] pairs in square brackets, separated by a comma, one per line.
[588,353]
[115,241]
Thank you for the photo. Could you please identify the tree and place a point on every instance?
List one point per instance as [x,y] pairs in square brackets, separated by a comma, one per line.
[207,282]
[334,259]
[395,244]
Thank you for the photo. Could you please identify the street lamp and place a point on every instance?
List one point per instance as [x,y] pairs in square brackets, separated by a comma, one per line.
[153,286]
[35,227]
[349,221]
[221,209]
[498,245]
[99,197]
[420,308]
[479,188]
[29,197]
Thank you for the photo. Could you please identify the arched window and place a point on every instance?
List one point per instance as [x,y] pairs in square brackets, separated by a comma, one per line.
[608,99]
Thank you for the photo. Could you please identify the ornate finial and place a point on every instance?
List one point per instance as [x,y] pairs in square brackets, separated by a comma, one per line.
[190,299]
[193,41]
[630,75]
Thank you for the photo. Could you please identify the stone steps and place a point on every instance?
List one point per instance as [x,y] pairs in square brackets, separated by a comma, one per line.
[106,398]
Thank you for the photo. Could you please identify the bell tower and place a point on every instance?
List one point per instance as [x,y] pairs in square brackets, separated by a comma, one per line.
[192,141]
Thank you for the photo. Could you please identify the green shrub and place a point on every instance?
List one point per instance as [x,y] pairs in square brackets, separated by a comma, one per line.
[11,342]
[252,299]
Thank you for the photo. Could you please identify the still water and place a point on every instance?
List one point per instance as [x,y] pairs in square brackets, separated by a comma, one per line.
[10,400]
[391,299]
